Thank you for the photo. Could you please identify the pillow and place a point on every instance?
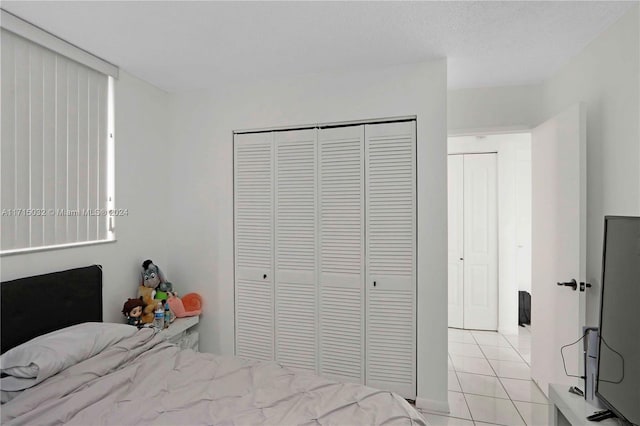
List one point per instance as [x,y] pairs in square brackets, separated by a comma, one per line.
[30,370]
[16,384]
[44,356]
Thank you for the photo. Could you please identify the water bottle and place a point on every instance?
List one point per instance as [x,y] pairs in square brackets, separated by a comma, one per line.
[159,317]
[167,314]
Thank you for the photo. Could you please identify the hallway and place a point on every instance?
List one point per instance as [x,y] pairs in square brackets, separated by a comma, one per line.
[490,381]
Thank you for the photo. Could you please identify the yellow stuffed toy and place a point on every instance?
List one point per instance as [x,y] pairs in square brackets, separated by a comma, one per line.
[150,302]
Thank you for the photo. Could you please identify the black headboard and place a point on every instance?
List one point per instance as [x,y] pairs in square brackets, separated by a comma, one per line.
[37,305]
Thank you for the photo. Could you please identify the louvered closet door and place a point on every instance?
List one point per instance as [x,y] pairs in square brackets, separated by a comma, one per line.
[253,198]
[295,245]
[341,253]
[391,248]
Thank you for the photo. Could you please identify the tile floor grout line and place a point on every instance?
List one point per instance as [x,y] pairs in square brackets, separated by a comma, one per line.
[500,381]
[515,349]
[477,344]
[455,372]
[497,397]
[528,380]
[492,369]
[528,363]
[510,345]
[462,392]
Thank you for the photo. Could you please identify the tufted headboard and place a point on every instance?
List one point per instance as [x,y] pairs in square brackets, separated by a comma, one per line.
[32,306]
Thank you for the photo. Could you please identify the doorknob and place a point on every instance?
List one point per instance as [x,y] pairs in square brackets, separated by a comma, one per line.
[573,284]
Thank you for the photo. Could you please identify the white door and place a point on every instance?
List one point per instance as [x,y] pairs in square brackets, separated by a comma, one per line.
[253,220]
[523,219]
[391,248]
[341,252]
[295,249]
[480,242]
[456,240]
[558,163]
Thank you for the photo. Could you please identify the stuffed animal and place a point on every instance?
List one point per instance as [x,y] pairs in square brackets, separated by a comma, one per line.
[189,306]
[153,278]
[147,295]
[132,309]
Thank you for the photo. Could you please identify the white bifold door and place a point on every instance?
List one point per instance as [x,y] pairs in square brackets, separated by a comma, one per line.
[295,249]
[341,254]
[253,198]
[325,235]
[391,247]
[473,241]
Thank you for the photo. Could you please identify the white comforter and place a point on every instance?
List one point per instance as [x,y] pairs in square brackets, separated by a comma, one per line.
[144,380]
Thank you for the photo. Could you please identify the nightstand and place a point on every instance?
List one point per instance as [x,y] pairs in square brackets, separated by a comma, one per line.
[181,332]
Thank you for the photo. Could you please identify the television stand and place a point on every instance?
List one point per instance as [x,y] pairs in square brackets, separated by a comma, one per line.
[571,409]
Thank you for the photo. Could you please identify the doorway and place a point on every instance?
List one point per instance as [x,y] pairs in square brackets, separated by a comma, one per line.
[489,230]
[548,249]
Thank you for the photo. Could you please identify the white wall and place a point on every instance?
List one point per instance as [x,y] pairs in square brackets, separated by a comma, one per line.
[142,175]
[508,108]
[202,186]
[605,75]
[512,223]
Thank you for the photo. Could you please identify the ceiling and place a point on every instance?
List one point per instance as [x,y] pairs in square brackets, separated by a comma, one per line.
[181,46]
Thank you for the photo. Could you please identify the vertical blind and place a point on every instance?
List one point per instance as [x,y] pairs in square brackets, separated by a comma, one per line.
[53,153]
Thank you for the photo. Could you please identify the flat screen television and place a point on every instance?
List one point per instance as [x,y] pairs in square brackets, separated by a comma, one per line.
[618,383]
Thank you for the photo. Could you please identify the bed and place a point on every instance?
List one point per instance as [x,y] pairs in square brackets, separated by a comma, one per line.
[83,371]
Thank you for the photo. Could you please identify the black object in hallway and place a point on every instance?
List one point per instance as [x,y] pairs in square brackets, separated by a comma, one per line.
[524,308]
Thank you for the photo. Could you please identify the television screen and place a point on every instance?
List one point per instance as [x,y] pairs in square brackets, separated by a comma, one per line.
[618,384]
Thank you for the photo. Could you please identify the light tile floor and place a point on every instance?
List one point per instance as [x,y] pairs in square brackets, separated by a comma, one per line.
[490,381]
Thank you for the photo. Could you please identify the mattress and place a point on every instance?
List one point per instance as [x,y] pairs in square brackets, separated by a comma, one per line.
[143,379]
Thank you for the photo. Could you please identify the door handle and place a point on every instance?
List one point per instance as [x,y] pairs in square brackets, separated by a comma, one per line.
[573,284]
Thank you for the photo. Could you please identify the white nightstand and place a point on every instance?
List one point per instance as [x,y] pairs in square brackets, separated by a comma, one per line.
[181,333]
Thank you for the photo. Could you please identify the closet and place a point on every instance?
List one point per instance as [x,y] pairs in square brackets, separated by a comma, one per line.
[473,241]
[325,251]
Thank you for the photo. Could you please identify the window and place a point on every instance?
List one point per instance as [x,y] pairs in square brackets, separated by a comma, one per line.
[56,148]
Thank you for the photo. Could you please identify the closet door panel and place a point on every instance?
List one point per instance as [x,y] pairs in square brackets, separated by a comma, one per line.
[295,249]
[253,222]
[391,247]
[341,253]
[480,242]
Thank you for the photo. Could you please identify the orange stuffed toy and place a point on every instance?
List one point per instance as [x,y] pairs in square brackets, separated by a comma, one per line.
[189,306]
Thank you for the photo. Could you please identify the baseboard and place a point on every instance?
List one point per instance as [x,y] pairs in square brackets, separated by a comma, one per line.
[509,331]
[432,405]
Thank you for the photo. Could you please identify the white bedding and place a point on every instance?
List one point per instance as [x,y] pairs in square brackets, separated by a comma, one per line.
[32,362]
[143,380]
